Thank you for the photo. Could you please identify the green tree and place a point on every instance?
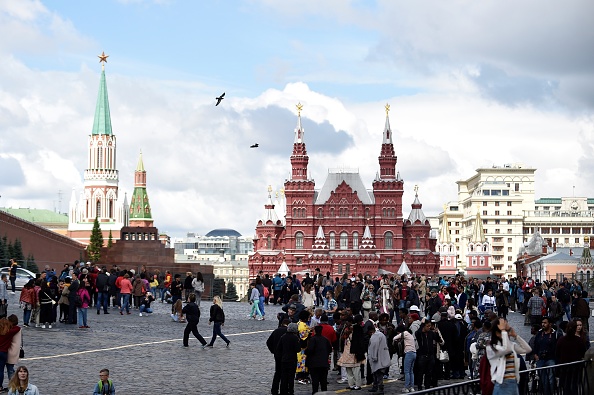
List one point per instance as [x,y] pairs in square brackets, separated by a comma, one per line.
[218,287]
[231,294]
[17,250]
[109,240]
[4,251]
[31,265]
[95,243]
[10,250]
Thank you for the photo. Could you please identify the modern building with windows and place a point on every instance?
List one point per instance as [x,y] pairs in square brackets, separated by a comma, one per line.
[217,245]
[343,227]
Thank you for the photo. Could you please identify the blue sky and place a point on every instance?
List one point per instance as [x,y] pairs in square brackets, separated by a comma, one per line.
[471,84]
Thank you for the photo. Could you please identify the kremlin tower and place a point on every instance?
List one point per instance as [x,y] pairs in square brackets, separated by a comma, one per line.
[140,209]
[100,197]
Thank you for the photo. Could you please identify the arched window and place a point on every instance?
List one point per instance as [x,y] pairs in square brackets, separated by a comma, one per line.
[299,240]
[269,242]
[344,241]
[332,212]
[355,240]
[320,213]
[98,207]
[332,240]
[294,212]
[383,212]
[110,208]
[355,212]
[367,212]
[418,242]
[388,240]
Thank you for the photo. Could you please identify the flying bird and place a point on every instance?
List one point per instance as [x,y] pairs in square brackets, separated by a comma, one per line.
[219,99]
[254,145]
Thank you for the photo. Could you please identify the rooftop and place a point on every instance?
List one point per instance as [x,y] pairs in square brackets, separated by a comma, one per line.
[38,216]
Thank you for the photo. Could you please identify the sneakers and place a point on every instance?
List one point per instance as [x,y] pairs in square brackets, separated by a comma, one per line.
[49,326]
[342,381]
[43,326]
[228,344]
[301,381]
[206,346]
[411,389]
[121,313]
[12,292]
[355,388]
[405,390]
[27,325]
[140,314]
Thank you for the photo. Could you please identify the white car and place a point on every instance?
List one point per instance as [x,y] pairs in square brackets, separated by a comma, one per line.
[22,278]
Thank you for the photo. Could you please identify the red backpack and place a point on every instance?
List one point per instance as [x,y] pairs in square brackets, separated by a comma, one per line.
[486,384]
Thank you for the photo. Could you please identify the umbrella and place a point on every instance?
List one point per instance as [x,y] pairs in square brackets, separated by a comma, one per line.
[404,269]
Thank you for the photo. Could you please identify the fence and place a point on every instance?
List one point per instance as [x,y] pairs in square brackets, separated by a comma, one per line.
[573,378]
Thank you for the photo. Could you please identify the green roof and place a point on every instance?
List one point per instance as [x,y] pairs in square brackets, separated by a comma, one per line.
[590,200]
[38,216]
[102,121]
[548,201]
[139,205]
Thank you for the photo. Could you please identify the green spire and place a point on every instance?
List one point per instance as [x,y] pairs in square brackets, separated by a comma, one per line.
[140,165]
[102,122]
[140,209]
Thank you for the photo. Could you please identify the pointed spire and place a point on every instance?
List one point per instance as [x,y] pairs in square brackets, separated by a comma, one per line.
[367,233]
[269,211]
[416,213]
[478,234]
[140,165]
[367,241]
[444,236]
[387,129]
[320,240]
[299,128]
[102,121]
[320,234]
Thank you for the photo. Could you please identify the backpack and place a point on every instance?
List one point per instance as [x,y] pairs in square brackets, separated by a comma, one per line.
[266,292]
[486,384]
[78,301]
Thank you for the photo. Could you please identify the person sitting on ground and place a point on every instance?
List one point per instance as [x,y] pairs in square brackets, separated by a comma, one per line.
[105,385]
[178,315]
[145,304]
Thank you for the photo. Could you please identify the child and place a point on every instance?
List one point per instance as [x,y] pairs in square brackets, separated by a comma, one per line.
[178,315]
[254,301]
[105,385]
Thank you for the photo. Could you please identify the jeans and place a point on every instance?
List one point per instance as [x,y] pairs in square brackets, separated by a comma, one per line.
[154,291]
[163,291]
[255,309]
[13,283]
[143,308]
[3,358]
[82,316]
[125,303]
[102,299]
[409,363]
[261,305]
[567,309]
[10,370]
[26,316]
[546,376]
[192,327]
[508,387]
[198,297]
[216,330]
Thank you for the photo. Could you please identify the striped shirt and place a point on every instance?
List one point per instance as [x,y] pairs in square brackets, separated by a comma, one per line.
[510,367]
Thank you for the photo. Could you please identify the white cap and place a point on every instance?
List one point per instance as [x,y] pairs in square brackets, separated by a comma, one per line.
[458,317]
[414,308]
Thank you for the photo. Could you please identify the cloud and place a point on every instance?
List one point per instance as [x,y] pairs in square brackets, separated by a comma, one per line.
[12,173]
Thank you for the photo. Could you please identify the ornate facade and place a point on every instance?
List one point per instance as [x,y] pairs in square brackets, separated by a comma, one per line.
[343,227]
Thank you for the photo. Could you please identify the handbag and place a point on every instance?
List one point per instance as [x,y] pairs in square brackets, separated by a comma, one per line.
[444,356]
[21,352]
[367,304]
[3,310]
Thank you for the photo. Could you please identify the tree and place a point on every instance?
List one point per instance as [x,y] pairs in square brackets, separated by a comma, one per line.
[218,287]
[109,240]
[95,243]
[17,251]
[231,294]
[4,251]
[31,265]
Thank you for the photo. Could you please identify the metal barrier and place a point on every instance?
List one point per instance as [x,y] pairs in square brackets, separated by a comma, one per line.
[568,379]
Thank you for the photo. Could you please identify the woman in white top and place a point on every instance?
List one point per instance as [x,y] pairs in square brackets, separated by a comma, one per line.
[489,301]
[309,296]
[410,355]
[198,285]
[502,353]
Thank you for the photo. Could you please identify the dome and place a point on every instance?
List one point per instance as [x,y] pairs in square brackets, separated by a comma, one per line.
[223,232]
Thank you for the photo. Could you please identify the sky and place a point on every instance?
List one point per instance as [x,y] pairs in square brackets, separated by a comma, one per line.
[470,84]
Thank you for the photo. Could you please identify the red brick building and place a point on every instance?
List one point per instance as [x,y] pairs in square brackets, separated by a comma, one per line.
[343,227]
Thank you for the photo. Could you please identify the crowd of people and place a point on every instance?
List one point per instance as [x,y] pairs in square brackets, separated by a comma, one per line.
[438,328]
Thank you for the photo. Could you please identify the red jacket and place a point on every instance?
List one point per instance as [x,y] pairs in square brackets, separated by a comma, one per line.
[329,333]
[6,340]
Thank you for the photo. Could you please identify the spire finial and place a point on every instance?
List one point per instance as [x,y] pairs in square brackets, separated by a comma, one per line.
[299,108]
[103,59]
[416,190]
[445,207]
[282,191]
[269,189]
[387,109]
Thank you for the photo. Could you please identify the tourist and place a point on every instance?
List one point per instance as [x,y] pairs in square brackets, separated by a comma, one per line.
[15,347]
[102,285]
[105,385]
[286,352]
[198,286]
[145,304]
[176,289]
[262,296]
[138,290]
[308,297]
[192,313]
[304,332]
[330,305]
[27,300]
[427,338]
[85,301]
[272,344]
[580,309]
[73,289]
[154,284]
[353,354]
[7,332]
[378,356]
[318,351]
[502,354]
[217,318]
[545,344]
[46,306]
[254,301]
[19,384]
[177,315]
[582,333]
[125,292]
[188,285]
[277,287]
[12,275]
[3,295]
[570,348]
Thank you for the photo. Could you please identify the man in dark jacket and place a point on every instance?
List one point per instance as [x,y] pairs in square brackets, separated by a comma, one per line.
[317,351]
[286,353]
[580,309]
[102,291]
[449,333]
[272,344]
[355,296]
[192,312]
[426,339]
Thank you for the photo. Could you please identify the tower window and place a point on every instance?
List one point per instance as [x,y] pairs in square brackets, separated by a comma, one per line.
[388,240]
[299,240]
[98,208]
[344,241]
[332,236]
[355,240]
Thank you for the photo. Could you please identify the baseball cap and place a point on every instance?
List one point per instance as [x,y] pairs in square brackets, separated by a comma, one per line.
[414,308]
[458,317]
[293,307]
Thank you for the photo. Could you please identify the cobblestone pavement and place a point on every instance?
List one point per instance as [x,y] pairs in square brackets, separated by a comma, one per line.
[144,354]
